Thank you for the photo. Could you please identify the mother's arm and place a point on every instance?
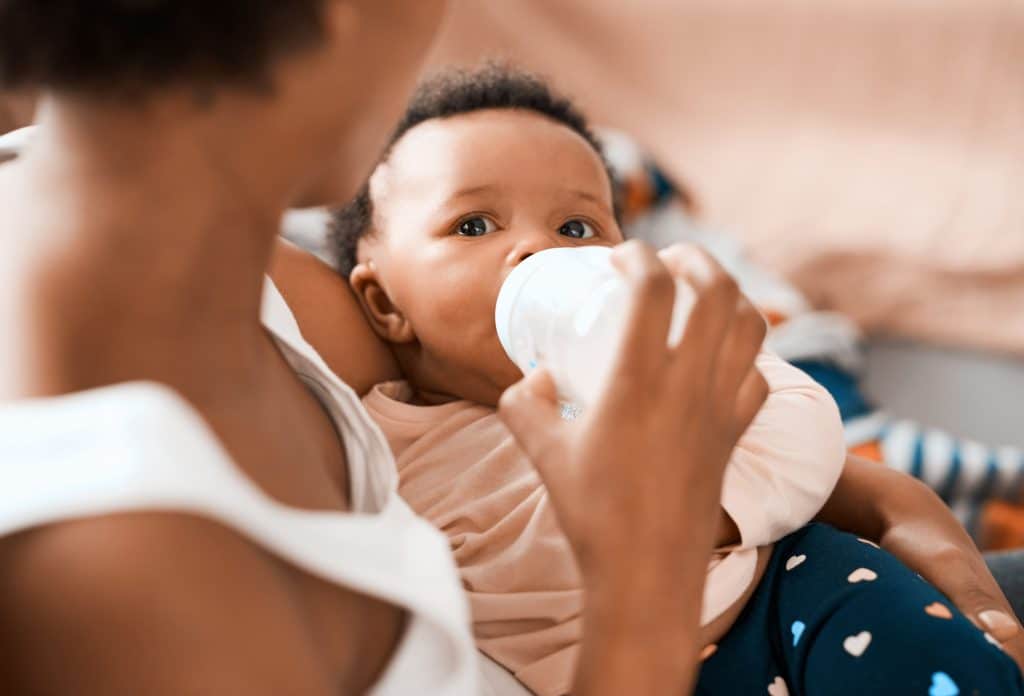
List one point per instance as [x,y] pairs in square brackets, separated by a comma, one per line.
[330,318]
[153,603]
[910,521]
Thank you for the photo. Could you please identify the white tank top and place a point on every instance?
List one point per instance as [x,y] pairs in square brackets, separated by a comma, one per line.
[126,446]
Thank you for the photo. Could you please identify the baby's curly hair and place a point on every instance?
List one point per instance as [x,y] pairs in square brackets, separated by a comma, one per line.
[450,93]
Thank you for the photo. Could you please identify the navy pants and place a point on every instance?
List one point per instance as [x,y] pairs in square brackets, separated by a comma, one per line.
[835,615]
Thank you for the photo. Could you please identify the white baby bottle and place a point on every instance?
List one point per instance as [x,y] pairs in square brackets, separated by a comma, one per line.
[564,309]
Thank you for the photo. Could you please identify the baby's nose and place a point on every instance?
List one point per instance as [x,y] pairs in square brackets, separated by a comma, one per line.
[526,247]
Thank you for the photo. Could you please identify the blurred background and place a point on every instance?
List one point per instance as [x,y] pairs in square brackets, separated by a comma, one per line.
[872,151]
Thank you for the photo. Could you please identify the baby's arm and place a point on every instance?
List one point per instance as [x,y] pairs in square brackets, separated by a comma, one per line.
[787,463]
[330,318]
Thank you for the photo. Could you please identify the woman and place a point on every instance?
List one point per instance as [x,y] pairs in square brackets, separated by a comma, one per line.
[175,490]
[175,495]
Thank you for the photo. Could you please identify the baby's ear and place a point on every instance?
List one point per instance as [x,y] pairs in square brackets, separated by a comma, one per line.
[387,320]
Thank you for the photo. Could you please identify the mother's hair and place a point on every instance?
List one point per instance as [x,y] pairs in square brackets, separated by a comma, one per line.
[116,46]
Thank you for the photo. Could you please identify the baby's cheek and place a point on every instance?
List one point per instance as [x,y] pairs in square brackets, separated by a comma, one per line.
[462,312]
[460,321]
[454,319]
[468,342]
[464,300]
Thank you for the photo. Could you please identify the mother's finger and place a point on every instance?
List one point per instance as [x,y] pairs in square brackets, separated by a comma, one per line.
[649,312]
[1014,647]
[740,347]
[715,294]
[531,412]
[751,397]
[960,573]
[979,598]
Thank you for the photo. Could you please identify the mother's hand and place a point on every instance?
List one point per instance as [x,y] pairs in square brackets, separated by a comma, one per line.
[910,521]
[668,417]
[636,480]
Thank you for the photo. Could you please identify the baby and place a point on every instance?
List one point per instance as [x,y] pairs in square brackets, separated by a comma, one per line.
[486,169]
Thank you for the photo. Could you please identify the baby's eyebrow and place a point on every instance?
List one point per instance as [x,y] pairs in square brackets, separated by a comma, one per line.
[587,195]
[472,190]
[491,188]
[596,200]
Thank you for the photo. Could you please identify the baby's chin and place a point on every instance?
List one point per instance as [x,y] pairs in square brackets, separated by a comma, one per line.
[502,377]
[481,382]
[507,374]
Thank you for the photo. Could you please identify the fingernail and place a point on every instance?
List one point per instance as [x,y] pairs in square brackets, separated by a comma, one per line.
[993,641]
[999,623]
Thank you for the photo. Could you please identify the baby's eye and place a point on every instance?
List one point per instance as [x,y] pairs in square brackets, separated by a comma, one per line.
[476,227]
[577,229]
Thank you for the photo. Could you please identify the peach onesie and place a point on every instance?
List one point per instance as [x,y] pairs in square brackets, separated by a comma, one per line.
[461,469]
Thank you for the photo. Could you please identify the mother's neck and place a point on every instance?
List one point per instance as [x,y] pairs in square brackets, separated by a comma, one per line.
[141,237]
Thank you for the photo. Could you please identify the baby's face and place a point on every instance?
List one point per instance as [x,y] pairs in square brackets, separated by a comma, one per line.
[460,202]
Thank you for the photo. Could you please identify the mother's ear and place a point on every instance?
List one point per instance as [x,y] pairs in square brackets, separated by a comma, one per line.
[387,320]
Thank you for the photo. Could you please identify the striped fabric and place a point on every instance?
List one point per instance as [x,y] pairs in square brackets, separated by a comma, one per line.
[965,473]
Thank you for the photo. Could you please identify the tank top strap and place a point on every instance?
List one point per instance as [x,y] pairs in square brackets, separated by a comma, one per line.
[373,477]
